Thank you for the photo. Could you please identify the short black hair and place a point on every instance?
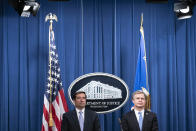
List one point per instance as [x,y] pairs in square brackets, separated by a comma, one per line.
[76,93]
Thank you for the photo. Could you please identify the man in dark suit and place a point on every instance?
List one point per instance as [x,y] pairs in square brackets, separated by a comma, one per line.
[139,119]
[80,119]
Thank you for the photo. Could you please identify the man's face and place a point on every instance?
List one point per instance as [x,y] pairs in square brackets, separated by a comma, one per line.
[80,101]
[139,100]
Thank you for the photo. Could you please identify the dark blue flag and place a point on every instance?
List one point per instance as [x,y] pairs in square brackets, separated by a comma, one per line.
[141,78]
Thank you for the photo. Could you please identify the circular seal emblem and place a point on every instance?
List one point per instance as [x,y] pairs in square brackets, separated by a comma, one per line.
[105,92]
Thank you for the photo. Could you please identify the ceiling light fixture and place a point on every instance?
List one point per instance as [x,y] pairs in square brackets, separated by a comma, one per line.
[25,7]
[184,9]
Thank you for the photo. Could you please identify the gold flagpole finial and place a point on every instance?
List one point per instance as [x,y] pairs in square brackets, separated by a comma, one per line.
[141,20]
[50,17]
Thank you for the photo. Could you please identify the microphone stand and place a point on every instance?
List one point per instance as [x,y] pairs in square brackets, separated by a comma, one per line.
[120,124]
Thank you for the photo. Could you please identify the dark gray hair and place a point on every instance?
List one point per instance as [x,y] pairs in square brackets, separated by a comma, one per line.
[138,92]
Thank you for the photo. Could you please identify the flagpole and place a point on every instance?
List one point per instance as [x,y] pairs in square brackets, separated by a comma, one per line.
[50,17]
[142,33]
[141,21]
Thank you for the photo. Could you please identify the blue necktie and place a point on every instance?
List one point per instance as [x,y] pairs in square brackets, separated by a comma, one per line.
[81,120]
[140,120]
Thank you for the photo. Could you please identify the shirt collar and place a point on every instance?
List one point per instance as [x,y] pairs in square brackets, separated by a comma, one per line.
[78,110]
[136,112]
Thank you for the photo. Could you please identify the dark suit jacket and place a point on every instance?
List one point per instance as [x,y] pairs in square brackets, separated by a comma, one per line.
[130,123]
[70,121]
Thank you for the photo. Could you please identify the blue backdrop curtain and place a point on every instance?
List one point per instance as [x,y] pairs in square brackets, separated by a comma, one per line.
[98,36]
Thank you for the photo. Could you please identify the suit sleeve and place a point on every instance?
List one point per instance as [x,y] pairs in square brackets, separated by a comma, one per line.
[124,123]
[97,126]
[64,126]
[155,123]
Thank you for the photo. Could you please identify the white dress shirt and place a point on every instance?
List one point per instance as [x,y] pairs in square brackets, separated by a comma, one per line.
[78,112]
[137,115]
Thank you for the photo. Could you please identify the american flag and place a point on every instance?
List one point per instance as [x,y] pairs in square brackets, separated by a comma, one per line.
[55,103]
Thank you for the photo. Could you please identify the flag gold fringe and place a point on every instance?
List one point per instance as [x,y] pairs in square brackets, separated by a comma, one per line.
[148,103]
[50,120]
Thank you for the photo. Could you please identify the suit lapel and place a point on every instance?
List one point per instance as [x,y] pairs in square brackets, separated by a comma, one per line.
[135,120]
[146,113]
[75,119]
[85,119]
